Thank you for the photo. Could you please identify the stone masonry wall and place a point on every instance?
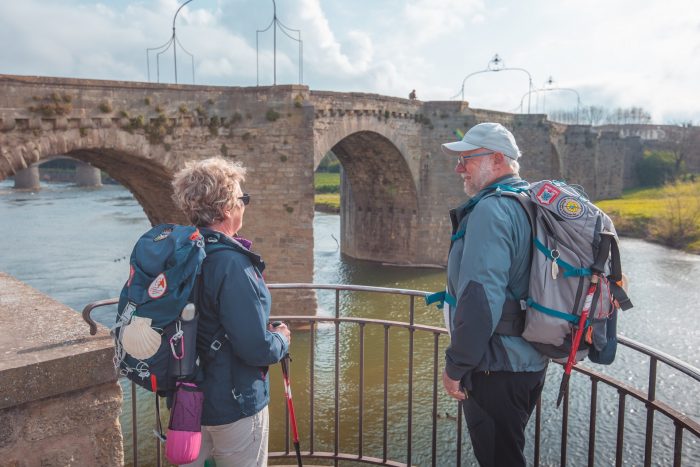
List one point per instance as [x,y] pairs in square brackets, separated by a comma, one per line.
[141,134]
[399,185]
[377,141]
[550,151]
[59,397]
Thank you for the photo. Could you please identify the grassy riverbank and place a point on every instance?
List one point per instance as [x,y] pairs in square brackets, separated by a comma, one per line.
[669,215]
[327,189]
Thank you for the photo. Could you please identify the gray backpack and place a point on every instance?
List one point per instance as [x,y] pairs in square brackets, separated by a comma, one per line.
[567,230]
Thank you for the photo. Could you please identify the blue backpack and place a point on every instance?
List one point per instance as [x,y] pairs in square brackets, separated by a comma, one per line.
[155,336]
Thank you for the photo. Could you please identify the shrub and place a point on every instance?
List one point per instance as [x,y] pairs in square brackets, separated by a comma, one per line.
[679,224]
[329,163]
[214,124]
[656,168]
[271,115]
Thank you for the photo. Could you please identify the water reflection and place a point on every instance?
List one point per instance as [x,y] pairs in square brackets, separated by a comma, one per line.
[72,243]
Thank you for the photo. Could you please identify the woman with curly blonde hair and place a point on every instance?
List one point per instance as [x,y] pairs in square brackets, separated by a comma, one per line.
[234,304]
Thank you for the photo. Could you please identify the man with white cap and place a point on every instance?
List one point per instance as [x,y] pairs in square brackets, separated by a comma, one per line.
[497,374]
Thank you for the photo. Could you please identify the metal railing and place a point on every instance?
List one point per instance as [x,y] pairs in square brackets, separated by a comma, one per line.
[384,452]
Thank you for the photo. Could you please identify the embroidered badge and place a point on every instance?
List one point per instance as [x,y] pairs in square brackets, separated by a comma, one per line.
[547,194]
[132,271]
[163,235]
[158,286]
[571,208]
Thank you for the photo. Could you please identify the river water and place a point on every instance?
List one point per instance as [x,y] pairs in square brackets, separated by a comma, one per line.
[74,243]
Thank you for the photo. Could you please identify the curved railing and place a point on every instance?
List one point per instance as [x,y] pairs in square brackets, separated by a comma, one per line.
[385,452]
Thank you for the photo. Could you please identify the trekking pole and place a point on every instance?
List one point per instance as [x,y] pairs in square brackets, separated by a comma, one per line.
[571,361]
[597,271]
[290,405]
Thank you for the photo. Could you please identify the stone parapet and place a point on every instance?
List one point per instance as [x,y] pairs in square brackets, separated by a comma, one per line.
[59,396]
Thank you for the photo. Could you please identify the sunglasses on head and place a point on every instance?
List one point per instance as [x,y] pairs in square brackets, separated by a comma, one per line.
[245,198]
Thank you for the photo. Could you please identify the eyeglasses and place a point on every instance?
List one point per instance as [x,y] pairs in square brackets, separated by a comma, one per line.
[462,159]
[245,198]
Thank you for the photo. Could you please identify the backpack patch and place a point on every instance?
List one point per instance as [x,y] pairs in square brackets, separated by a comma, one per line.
[158,287]
[571,208]
[547,194]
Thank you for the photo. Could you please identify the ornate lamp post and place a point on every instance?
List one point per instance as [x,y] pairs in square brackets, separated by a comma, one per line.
[550,83]
[496,64]
[174,41]
[276,23]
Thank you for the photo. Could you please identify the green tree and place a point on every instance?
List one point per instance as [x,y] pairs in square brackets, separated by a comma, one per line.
[679,224]
[656,168]
[329,163]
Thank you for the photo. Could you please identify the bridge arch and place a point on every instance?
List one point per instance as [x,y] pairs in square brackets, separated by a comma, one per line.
[143,169]
[379,198]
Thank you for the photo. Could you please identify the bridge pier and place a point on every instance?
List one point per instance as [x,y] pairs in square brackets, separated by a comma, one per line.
[87,175]
[28,179]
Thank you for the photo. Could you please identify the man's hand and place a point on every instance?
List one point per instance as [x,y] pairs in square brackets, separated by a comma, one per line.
[453,387]
[281,328]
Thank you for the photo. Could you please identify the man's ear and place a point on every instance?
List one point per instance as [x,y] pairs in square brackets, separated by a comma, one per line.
[499,158]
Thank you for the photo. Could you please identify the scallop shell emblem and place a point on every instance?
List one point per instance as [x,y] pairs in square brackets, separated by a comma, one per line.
[139,339]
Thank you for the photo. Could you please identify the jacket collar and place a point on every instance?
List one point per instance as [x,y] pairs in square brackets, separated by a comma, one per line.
[212,237]
[458,213]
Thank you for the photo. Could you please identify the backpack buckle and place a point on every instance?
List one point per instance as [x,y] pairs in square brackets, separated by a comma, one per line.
[216,345]
[523,305]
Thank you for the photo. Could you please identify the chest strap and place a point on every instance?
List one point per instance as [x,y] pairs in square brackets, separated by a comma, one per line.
[512,321]
[441,298]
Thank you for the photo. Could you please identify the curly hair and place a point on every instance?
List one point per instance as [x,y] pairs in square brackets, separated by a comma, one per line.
[204,189]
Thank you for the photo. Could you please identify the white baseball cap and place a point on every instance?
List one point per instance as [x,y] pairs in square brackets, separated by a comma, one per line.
[493,136]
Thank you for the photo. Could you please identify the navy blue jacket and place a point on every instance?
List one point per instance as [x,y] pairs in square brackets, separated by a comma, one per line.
[235,297]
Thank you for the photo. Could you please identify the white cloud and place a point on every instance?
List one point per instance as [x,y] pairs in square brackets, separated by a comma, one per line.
[627,52]
[426,20]
[321,43]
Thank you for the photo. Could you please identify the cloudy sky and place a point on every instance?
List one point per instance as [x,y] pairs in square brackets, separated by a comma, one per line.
[613,53]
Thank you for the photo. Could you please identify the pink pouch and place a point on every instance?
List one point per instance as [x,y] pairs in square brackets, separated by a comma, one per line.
[185,428]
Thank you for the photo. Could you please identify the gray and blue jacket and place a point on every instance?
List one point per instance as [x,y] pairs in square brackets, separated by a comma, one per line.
[488,263]
[234,297]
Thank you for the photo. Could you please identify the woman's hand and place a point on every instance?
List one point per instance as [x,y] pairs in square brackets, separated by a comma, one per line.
[281,328]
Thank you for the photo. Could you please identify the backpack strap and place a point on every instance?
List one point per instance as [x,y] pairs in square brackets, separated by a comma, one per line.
[615,277]
[512,322]
[441,298]
[569,270]
[217,339]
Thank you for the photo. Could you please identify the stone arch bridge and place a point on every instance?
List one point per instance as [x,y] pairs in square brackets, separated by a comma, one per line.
[396,184]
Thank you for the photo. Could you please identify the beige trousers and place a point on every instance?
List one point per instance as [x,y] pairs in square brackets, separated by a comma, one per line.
[239,444]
